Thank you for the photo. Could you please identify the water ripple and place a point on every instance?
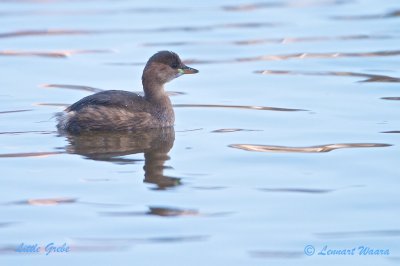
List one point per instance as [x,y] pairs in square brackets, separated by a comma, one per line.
[390,14]
[51,54]
[15,111]
[319,55]
[305,190]
[72,87]
[49,32]
[169,212]
[6,224]
[285,40]
[251,107]
[29,154]
[298,190]
[229,130]
[45,202]
[358,234]
[275,254]
[391,132]
[27,132]
[158,211]
[391,98]
[149,240]
[285,4]
[58,32]
[80,12]
[310,149]
[63,105]
[370,77]
[253,6]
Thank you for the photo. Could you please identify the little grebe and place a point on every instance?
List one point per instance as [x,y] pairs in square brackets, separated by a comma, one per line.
[116,110]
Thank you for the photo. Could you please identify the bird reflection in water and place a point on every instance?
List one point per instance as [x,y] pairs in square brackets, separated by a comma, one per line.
[113,146]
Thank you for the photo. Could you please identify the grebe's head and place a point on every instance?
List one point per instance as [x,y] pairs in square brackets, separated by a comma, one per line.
[164,66]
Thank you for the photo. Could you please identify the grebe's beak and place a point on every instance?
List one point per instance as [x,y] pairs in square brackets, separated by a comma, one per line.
[187,70]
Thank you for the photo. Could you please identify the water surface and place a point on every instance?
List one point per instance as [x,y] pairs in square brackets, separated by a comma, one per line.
[287,137]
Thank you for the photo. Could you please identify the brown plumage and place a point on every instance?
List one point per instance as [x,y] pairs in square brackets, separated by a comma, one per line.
[117,110]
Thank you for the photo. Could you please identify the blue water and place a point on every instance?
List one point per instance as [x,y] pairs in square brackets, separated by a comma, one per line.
[241,180]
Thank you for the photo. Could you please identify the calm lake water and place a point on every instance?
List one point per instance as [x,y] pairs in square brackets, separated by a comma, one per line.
[288,136]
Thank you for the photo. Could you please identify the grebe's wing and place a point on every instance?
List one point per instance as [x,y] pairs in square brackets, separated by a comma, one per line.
[111,98]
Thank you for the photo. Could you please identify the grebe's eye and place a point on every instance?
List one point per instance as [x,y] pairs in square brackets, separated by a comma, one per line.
[175,65]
